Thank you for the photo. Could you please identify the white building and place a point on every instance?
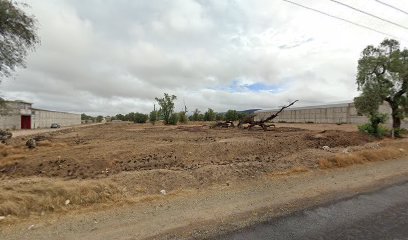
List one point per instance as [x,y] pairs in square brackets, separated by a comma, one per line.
[330,113]
[21,115]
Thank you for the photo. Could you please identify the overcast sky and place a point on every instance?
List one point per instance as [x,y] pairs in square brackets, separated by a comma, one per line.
[115,56]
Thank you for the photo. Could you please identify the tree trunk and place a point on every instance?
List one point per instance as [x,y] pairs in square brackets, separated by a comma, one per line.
[396,119]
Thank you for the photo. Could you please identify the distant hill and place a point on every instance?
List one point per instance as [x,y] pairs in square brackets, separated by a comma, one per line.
[249,111]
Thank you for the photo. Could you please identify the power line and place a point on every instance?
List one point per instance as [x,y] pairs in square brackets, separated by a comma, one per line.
[342,19]
[391,6]
[370,14]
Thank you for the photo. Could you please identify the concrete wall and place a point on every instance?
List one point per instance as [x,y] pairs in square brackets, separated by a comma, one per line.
[10,122]
[43,118]
[11,112]
[333,113]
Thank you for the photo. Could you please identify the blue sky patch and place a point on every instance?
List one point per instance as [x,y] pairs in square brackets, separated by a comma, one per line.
[237,86]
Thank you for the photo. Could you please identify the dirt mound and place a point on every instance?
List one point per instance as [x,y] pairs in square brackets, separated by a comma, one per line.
[138,160]
[335,138]
[104,150]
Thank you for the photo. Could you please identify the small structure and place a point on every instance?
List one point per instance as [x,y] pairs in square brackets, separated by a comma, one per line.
[21,115]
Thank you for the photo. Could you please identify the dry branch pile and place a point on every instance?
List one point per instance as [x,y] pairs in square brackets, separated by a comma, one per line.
[250,119]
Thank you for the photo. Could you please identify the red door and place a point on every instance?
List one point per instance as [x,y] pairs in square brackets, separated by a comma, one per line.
[25,122]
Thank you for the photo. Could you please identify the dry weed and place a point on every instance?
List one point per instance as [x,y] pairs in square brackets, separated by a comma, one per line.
[26,197]
[372,155]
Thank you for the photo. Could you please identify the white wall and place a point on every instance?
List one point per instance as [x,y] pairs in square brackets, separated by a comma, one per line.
[10,122]
[44,119]
[10,114]
[335,113]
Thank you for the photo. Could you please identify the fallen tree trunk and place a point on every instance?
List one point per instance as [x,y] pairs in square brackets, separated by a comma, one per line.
[262,123]
[226,124]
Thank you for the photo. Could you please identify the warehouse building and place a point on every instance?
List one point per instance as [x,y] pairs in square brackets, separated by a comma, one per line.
[338,113]
[21,115]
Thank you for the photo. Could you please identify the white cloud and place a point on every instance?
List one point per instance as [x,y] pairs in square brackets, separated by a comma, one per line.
[106,57]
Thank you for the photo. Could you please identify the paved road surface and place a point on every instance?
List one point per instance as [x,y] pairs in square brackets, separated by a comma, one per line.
[379,215]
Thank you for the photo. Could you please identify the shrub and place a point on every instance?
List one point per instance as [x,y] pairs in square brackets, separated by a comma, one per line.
[196,115]
[220,117]
[368,128]
[174,118]
[398,132]
[183,117]
[153,117]
[231,115]
[140,118]
[210,115]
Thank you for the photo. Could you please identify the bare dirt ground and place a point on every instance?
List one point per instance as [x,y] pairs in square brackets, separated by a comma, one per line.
[206,214]
[116,164]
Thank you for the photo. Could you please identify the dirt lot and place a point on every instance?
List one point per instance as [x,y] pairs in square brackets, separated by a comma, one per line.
[129,162]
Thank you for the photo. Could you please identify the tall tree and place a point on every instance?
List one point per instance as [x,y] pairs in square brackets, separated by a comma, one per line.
[196,115]
[383,76]
[18,35]
[210,115]
[166,106]
[231,115]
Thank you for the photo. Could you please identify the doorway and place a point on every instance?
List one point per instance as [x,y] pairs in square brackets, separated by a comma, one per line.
[25,122]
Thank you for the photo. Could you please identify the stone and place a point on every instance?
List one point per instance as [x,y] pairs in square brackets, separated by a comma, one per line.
[31,143]
[5,135]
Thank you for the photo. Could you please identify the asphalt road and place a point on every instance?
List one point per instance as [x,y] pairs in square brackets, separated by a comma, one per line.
[378,215]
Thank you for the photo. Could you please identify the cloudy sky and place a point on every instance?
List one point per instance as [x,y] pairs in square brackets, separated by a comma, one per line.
[115,56]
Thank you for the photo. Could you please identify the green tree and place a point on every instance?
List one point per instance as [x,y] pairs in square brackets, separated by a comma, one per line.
[231,115]
[18,35]
[196,115]
[140,118]
[166,106]
[99,118]
[383,76]
[153,117]
[174,118]
[85,117]
[129,117]
[209,115]
[183,117]
[242,115]
[120,117]
[220,117]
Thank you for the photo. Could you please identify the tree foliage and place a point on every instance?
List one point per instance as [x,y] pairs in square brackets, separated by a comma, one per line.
[231,115]
[383,76]
[166,106]
[85,117]
[210,115]
[18,35]
[132,117]
[153,117]
[197,116]
[174,118]
[220,116]
[374,128]
[99,119]
[183,117]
